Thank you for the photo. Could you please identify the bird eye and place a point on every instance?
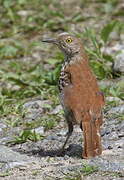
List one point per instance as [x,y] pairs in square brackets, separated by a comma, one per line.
[69,40]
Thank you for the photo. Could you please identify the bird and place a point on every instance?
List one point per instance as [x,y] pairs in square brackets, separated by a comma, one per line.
[79,93]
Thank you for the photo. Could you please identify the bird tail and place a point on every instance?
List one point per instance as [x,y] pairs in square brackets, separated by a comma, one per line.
[92,138]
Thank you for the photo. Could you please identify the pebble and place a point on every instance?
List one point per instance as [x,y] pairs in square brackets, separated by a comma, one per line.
[39,130]
[118,109]
[11,159]
[111,99]
[119,63]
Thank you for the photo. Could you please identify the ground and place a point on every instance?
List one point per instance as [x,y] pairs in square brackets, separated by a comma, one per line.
[32,125]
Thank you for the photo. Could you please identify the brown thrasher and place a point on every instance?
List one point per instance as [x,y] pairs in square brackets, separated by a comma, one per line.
[80,96]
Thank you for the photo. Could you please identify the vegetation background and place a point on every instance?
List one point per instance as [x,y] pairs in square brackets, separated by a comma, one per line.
[29,69]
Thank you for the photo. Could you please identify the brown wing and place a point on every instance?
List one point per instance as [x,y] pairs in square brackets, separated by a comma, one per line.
[83,94]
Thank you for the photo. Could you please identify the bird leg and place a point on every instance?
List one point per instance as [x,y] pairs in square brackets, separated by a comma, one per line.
[69,118]
[69,133]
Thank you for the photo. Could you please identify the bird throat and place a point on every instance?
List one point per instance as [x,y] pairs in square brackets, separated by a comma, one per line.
[65,77]
[70,59]
[67,61]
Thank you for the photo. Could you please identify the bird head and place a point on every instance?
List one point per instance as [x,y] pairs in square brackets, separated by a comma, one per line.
[68,44]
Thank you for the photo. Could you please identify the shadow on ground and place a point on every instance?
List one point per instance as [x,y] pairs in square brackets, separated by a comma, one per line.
[73,150]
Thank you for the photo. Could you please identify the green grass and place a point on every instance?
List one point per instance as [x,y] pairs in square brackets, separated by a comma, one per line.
[113,174]
[85,171]
[114,91]
[26,135]
[4,174]
[98,59]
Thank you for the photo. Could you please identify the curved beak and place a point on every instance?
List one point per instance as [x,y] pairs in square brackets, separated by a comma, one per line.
[49,40]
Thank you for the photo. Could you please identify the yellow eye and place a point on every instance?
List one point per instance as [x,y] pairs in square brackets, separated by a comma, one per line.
[69,40]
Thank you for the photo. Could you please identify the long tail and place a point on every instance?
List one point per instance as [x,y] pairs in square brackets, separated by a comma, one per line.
[92,138]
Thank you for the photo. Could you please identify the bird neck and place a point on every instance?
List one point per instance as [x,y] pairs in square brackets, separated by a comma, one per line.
[77,57]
